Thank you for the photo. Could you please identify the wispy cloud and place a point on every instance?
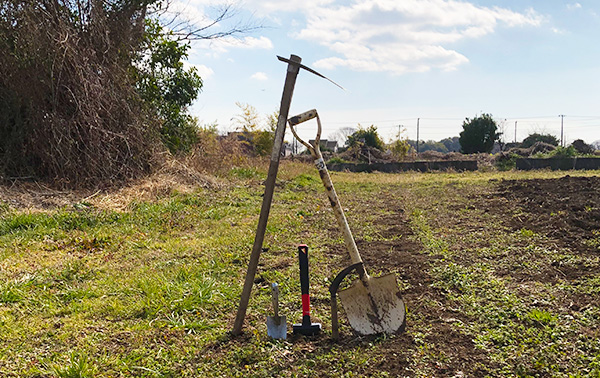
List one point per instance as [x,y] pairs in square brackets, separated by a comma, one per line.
[222,45]
[406,36]
[260,76]
[573,6]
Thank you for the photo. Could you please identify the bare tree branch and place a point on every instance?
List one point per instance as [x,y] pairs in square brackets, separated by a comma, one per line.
[190,30]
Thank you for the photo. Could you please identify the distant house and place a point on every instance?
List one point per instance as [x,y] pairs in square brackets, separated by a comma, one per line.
[287,150]
[324,144]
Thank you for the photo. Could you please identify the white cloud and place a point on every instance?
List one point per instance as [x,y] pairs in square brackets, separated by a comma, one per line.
[404,36]
[204,71]
[260,76]
[222,45]
[187,11]
[379,35]
[267,7]
[573,6]
[252,43]
[204,14]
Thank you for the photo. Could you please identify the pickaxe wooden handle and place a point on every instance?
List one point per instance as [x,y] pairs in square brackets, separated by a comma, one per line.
[294,66]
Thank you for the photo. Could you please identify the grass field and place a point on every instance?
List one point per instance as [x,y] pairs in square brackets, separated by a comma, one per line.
[148,285]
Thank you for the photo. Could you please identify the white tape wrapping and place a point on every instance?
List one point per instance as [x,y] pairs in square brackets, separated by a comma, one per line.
[320,164]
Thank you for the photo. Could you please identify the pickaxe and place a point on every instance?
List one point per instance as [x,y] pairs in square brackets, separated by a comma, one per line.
[294,65]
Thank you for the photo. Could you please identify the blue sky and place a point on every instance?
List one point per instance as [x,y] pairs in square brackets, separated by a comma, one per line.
[438,60]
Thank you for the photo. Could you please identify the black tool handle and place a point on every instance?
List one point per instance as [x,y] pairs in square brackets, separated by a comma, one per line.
[303,259]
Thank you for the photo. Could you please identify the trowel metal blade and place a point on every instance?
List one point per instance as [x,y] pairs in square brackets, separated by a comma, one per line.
[375,308]
[277,327]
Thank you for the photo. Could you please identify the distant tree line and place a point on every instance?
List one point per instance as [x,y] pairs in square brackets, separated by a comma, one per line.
[480,135]
[445,145]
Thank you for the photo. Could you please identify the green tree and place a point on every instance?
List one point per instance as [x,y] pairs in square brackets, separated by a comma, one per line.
[479,134]
[400,147]
[368,137]
[248,119]
[535,137]
[166,86]
[260,139]
[582,148]
[451,144]
[429,145]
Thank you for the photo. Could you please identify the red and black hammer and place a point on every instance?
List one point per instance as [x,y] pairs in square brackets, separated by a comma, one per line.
[307,328]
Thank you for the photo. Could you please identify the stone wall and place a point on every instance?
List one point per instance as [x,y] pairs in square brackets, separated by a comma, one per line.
[420,166]
[555,164]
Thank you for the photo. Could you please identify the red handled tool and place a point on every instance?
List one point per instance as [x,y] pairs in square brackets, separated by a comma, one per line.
[307,328]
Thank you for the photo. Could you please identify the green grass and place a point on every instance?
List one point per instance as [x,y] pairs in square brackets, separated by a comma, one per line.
[152,290]
[527,331]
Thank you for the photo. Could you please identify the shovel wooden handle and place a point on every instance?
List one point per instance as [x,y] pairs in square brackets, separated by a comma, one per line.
[315,151]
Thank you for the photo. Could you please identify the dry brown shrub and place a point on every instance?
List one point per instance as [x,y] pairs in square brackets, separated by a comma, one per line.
[217,155]
[71,114]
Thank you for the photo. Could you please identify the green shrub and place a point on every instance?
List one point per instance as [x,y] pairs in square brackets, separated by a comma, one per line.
[506,163]
[563,152]
[369,137]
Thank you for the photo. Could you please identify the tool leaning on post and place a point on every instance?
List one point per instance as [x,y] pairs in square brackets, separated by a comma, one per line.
[373,304]
[293,68]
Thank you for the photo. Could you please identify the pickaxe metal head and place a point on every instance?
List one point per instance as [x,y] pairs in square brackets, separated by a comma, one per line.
[309,70]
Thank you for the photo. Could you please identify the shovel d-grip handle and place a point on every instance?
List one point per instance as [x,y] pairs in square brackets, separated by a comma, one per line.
[315,151]
[333,288]
[300,118]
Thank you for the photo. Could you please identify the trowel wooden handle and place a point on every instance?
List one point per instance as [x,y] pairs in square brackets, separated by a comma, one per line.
[275,297]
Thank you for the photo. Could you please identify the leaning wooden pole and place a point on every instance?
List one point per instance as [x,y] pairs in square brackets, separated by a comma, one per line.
[286,99]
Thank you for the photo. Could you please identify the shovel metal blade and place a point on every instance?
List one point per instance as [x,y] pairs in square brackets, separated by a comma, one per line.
[277,327]
[375,308]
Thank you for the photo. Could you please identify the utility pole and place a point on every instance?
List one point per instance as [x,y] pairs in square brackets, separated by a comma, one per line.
[515,131]
[562,118]
[418,135]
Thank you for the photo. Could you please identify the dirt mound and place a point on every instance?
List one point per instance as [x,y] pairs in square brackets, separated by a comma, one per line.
[567,208]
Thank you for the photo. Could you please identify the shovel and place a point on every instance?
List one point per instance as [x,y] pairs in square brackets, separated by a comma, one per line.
[373,304]
[276,325]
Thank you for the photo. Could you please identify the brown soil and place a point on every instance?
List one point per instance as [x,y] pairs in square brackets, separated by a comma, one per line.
[566,209]
[427,305]
[429,313]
